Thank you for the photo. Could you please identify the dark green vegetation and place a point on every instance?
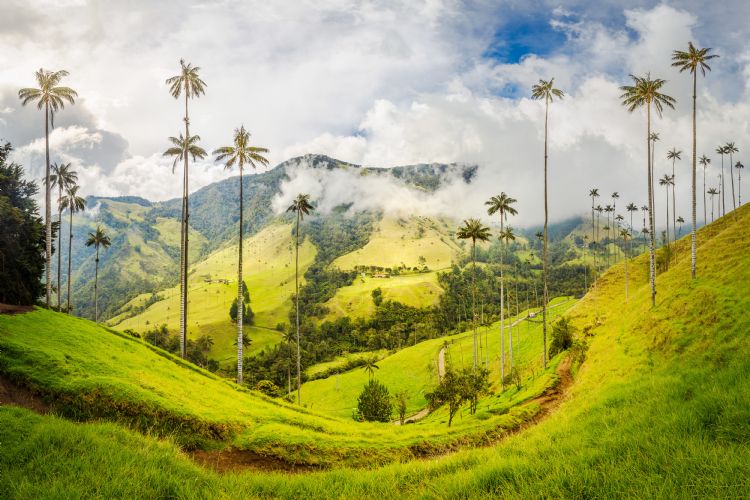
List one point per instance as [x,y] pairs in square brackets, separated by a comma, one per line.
[684,360]
[21,235]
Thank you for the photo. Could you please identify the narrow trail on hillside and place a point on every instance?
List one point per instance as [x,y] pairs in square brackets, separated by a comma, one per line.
[426,410]
[441,368]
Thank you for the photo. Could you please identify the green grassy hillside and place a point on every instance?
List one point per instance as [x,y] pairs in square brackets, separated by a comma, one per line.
[87,372]
[402,241]
[415,370]
[659,409]
[268,270]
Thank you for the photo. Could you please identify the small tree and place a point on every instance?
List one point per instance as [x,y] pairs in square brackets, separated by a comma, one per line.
[400,398]
[448,392]
[377,297]
[562,337]
[474,384]
[374,402]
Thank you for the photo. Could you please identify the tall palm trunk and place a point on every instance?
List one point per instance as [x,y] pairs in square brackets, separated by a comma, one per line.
[59,242]
[652,259]
[47,208]
[502,307]
[96,287]
[723,202]
[296,300]
[731,176]
[674,207]
[705,212]
[510,332]
[70,248]
[185,237]
[546,220]
[240,295]
[667,233]
[474,296]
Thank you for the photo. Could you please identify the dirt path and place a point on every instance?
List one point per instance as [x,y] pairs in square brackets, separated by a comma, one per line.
[426,411]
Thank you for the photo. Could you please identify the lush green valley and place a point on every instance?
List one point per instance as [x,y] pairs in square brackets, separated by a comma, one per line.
[685,360]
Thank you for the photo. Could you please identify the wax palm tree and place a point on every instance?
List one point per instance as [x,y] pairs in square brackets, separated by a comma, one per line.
[288,339]
[62,176]
[300,207]
[674,155]
[98,239]
[631,208]
[693,60]
[593,194]
[739,166]
[72,203]
[506,236]
[370,366]
[51,97]
[608,209]
[188,84]
[705,162]
[546,91]
[666,181]
[646,92]
[625,235]
[183,148]
[241,153]
[599,211]
[474,230]
[503,205]
[730,148]
[721,151]
[680,221]
[712,192]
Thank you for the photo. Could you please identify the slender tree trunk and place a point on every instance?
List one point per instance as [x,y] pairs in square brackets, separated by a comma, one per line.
[705,210]
[96,287]
[674,207]
[667,233]
[731,176]
[296,300]
[474,296]
[545,263]
[59,243]
[47,209]
[502,307]
[626,280]
[184,243]
[510,332]
[723,210]
[652,259]
[240,294]
[70,247]
[693,233]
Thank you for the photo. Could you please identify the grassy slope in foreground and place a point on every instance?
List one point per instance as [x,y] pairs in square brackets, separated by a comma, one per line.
[268,270]
[89,372]
[659,409]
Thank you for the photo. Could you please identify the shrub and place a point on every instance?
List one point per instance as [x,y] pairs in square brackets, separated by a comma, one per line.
[374,402]
[562,337]
[267,387]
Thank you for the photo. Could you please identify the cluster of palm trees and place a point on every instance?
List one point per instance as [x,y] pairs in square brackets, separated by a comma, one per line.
[729,148]
[51,97]
[475,230]
[242,154]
